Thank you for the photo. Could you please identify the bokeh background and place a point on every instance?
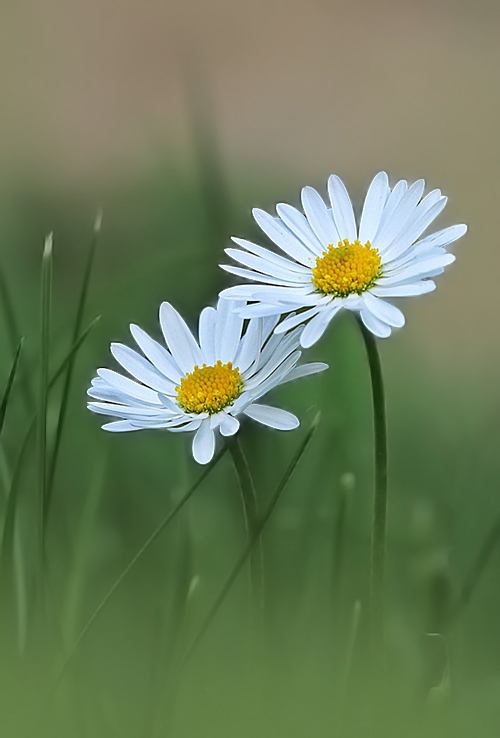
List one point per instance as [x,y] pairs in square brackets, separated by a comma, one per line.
[176,118]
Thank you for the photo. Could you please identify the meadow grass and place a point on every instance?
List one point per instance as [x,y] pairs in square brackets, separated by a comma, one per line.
[143,626]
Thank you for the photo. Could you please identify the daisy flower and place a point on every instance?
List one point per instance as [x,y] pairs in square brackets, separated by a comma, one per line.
[203,385]
[332,264]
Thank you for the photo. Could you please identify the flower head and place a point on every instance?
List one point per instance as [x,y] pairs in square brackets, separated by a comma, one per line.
[332,264]
[203,385]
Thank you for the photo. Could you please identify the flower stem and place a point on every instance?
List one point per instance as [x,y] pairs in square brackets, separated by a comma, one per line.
[252,521]
[378,545]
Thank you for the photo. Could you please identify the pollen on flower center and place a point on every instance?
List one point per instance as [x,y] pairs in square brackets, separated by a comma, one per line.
[209,389]
[346,269]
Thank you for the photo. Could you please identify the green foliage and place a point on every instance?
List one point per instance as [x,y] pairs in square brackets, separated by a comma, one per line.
[305,672]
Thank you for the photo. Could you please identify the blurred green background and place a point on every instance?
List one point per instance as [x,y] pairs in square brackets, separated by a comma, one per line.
[176,119]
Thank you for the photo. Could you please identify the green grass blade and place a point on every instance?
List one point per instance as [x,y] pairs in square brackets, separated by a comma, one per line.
[73,350]
[82,302]
[13,332]
[44,384]
[154,535]
[10,383]
[253,539]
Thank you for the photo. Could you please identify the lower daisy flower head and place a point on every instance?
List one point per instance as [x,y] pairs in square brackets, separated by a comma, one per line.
[201,386]
[330,263]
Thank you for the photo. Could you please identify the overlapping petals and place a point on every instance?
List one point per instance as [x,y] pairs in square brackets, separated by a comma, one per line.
[392,220]
[148,398]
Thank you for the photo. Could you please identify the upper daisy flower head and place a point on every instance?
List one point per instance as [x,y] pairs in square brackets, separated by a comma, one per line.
[331,263]
[202,385]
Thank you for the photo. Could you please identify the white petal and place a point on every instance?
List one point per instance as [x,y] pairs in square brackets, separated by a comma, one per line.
[282,237]
[376,197]
[405,290]
[317,326]
[268,255]
[206,334]
[412,231]
[299,225]
[294,320]
[179,338]
[320,219]
[441,238]
[418,269]
[272,416]
[342,211]
[120,426]
[374,325]
[228,329]
[384,311]
[141,368]
[262,310]
[391,227]
[229,425]
[261,278]
[249,348]
[204,443]
[157,354]
[124,384]
[304,371]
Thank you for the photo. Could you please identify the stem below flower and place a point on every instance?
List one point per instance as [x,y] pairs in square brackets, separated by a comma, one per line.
[378,546]
[252,521]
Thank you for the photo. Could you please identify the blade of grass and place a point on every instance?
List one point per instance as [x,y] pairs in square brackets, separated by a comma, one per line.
[249,547]
[154,535]
[10,383]
[13,332]
[82,552]
[4,467]
[44,386]
[71,363]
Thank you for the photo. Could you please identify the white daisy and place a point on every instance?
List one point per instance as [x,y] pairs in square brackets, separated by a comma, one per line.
[201,386]
[332,264]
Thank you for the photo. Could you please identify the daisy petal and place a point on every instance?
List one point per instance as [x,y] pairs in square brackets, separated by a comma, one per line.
[141,368]
[204,443]
[156,354]
[179,338]
[374,325]
[272,416]
[389,229]
[342,211]
[299,225]
[228,329]
[375,200]
[304,371]
[120,426]
[384,311]
[317,326]
[282,237]
[206,334]
[405,290]
[229,425]
[319,218]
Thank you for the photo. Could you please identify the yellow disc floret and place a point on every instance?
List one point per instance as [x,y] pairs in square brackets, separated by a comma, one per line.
[209,389]
[346,269]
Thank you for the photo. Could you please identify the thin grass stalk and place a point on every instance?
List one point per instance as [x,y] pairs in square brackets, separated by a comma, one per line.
[13,332]
[10,383]
[349,659]
[473,578]
[251,516]
[82,302]
[240,563]
[44,388]
[379,529]
[154,535]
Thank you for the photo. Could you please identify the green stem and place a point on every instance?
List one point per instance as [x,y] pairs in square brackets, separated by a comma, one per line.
[251,517]
[377,573]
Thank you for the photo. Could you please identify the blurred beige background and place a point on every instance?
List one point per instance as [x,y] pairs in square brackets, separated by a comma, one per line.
[91,88]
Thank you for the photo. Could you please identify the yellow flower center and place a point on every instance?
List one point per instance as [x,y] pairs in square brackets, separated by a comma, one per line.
[346,269]
[209,389]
